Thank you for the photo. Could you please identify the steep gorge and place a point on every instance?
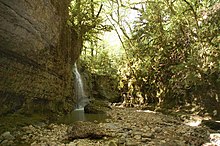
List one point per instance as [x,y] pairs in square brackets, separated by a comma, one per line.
[37,53]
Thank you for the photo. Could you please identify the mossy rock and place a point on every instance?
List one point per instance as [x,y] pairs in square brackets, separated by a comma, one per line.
[97,107]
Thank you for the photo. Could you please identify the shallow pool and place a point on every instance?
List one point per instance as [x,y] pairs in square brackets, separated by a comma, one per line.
[79,115]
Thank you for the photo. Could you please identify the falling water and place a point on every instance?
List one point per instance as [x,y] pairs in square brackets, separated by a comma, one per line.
[78,114]
[81,98]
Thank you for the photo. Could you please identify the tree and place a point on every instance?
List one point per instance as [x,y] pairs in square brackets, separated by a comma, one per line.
[175,56]
[171,48]
[86,20]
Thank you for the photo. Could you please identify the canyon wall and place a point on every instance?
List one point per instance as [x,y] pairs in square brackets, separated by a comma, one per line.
[37,53]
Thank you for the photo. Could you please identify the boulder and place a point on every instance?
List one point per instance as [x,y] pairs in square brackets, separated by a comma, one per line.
[82,129]
[97,107]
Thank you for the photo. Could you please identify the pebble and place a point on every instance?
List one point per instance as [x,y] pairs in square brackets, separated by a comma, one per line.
[146,128]
[145,140]
[148,135]
[121,140]
[136,129]
[137,133]
[71,144]
[4,142]
[7,136]
[108,120]
[137,137]
[158,129]
[34,144]
[131,143]
[112,143]
[113,134]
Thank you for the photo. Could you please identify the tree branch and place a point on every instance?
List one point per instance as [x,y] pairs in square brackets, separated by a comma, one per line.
[100,9]
[194,12]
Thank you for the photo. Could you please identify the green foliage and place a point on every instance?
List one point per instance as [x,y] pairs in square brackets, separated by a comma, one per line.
[86,20]
[171,49]
[174,51]
[101,64]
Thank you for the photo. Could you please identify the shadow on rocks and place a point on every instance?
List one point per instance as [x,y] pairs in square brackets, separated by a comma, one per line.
[82,129]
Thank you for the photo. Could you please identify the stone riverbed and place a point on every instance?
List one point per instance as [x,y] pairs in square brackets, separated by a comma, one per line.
[126,127]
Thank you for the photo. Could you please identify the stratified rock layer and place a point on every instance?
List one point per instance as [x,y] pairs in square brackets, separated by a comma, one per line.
[37,51]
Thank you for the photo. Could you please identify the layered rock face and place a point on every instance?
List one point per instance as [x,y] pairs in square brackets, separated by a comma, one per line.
[37,51]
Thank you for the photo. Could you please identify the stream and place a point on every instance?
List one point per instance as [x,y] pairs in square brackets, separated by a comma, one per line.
[79,115]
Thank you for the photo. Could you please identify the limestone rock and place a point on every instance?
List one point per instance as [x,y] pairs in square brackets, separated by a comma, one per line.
[82,129]
[37,51]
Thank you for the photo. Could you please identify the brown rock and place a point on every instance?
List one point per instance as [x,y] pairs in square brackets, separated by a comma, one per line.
[85,130]
[37,52]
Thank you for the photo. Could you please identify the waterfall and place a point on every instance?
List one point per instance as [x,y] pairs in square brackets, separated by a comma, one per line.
[81,98]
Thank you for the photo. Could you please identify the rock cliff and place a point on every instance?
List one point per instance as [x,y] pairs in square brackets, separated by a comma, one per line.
[37,52]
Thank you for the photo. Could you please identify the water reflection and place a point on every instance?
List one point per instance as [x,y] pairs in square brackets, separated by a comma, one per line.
[79,115]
